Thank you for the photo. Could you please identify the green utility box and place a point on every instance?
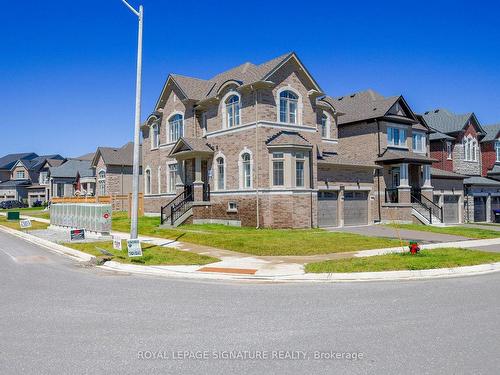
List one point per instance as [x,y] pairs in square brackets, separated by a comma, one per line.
[13,215]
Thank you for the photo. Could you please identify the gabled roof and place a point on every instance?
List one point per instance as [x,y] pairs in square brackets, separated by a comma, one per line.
[288,138]
[444,121]
[8,161]
[88,156]
[123,156]
[72,168]
[492,132]
[245,74]
[186,144]
[367,105]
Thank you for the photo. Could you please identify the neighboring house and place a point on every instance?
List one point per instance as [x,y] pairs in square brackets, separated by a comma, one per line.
[73,177]
[457,144]
[24,176]
[261,145]
[113,169]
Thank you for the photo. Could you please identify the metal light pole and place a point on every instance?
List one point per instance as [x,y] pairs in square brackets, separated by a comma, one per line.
[135,178]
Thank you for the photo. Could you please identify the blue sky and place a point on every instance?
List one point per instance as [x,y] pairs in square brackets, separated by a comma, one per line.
[67,69]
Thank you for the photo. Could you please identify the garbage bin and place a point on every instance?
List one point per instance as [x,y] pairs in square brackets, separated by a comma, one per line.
[13,215]
[497,216]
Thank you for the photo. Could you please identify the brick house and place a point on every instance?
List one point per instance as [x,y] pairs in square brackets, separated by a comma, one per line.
[262,145]
[23,176]
[113,168]
[73,177]
[458,144]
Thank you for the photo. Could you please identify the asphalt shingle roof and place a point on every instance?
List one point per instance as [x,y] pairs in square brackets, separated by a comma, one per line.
[285,138]
[8,161]
[361,106]
[491,132]
[395,155]
[478,180]
[439,136]
[118,156]
[71,168]
[435,172]
[445,121]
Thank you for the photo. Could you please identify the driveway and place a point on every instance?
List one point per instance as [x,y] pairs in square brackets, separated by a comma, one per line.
[483,226]
[405,234]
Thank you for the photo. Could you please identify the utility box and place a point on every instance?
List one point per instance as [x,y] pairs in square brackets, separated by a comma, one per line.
[92,217]
[13,215]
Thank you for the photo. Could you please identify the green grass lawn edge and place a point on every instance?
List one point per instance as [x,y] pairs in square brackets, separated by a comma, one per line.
[152,255]
[426,259]
[475,233]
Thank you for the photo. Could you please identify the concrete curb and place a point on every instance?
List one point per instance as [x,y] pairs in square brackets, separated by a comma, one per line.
[54,247]
[181,272]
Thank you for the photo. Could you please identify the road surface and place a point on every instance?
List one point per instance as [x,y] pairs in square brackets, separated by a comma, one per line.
[59,317]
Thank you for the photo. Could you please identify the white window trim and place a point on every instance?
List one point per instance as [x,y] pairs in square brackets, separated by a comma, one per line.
[103,179]
[497,151]
[148,169]
[216,171]
[159,179]
[168,125]
[240,168]
[224,109]
[283,159]
[471,149]
[424,142]
[151,128]
[400,127]
[299,105]
[328,126]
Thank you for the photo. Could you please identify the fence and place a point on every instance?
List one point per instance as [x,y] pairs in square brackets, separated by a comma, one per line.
[118,202]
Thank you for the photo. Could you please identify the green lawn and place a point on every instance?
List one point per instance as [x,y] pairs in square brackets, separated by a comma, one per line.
[15,224]
[151,254]
[426,259]
[257,241]
[23,209]
[454,230]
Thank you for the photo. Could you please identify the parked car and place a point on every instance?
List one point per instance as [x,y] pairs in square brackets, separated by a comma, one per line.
[12,204]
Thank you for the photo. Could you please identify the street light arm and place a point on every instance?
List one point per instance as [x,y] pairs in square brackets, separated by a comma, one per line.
[131,8]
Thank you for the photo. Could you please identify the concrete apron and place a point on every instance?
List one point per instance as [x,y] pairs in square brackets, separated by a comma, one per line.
[255,269]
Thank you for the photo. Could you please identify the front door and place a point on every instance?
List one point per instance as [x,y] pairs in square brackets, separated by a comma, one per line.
[395,177]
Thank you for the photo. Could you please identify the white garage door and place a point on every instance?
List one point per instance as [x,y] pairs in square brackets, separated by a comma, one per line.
[327,208]
[450,209]
[355,208]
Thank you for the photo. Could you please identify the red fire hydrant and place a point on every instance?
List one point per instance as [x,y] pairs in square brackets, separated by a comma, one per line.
[414,248]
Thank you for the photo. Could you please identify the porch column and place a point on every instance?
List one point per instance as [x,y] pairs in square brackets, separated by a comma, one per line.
[198,182]
[179,183]
[427,176]
[404,186]
[488,208]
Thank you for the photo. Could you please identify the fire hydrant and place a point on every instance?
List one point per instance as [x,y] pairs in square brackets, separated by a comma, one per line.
[414,248]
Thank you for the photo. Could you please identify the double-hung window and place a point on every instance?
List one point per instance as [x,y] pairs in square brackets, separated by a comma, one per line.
[233,111]
[324,126]
[449,150]
[396,137]
[418,142]
[470,149]
[220,174]
[299,169]
[101,181]
[172,176]
[247,170]
[20,175]
[278,169]
[497,150]
[155,136]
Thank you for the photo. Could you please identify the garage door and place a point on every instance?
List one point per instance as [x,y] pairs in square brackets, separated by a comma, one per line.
[479,208]
[450,209]
[355,208]
[327,208]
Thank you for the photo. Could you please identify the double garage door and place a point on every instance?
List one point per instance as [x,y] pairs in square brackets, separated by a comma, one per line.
[355,208]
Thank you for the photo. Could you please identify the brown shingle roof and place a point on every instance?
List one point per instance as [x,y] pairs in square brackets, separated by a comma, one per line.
[117,156]
[288,138]
[391,155]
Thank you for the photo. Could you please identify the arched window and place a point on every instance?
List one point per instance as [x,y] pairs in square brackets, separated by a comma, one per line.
[233,111]
[325,126]
[176,127]
[155,136]
[221,178]
[288,107]
[101,181]
[147,182]
[470,149]
[246,168]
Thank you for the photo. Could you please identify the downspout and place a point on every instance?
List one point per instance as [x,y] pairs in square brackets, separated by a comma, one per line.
[256,166]
[378,174]
[311,180]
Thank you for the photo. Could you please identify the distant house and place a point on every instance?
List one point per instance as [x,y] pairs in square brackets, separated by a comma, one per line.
[24,176]
[113,169]
[74,177]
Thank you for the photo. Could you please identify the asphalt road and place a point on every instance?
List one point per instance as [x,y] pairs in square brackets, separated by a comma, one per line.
[59,317]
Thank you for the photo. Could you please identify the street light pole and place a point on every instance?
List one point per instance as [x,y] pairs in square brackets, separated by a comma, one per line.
[138,87]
